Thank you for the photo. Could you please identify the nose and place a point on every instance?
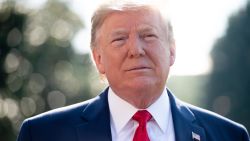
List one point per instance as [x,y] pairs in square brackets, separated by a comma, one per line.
[135,47]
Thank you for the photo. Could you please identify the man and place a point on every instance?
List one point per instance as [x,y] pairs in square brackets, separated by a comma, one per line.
[133,47]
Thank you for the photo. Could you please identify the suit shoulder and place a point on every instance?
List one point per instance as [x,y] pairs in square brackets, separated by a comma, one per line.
[62,112]
[45,124]
[215,120]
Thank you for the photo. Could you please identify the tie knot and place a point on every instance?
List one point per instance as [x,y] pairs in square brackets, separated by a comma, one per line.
[142,116]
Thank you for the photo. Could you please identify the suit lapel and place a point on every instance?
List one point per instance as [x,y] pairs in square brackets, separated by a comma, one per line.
[96,120]
[185,125]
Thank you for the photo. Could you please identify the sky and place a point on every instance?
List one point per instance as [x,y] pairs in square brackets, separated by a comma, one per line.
[197,25]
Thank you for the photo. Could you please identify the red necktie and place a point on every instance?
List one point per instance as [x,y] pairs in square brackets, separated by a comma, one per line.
[142,117]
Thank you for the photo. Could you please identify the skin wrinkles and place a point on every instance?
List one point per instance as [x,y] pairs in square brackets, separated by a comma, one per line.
[134,56]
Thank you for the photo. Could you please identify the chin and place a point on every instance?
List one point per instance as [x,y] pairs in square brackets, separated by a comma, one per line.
[142,83]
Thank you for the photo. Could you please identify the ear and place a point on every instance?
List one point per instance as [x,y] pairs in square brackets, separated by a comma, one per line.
[172,53]
[96,52]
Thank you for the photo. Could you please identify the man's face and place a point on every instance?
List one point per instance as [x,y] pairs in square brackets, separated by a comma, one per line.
[132,51]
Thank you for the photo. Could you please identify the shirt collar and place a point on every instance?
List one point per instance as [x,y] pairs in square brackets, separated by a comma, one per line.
[121,111]
[160,110]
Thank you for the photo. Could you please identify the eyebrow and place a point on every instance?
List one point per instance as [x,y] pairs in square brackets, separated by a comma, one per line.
[117,32]
[141,29]
[147,28]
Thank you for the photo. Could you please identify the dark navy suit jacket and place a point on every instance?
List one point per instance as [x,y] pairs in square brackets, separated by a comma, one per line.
[90,121]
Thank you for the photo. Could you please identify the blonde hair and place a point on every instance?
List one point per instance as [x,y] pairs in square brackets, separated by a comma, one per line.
[104,11]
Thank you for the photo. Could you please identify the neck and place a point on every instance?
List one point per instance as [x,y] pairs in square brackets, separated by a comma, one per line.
[140,99]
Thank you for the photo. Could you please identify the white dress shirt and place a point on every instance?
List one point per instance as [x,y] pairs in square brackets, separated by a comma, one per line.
[159,128]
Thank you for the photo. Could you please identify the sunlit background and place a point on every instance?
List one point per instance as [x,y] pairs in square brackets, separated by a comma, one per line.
[197,24]
[45,61]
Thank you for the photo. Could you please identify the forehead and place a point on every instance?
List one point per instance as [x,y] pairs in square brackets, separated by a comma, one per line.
[126,20]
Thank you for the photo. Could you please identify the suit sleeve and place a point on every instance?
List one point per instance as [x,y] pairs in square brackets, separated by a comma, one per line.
[24,134]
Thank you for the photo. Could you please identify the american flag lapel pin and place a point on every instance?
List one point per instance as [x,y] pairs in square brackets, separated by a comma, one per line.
[196,137]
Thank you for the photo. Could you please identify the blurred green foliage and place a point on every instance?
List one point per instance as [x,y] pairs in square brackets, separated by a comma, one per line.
[39,70]
[228,88]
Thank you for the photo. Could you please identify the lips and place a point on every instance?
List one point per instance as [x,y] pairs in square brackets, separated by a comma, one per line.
[135,68]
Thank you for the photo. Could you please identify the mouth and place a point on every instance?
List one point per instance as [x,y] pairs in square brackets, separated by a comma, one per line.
[142,68]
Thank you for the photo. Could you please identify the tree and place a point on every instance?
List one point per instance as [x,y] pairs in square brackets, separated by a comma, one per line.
[229,85]
[39,70]
[11,26]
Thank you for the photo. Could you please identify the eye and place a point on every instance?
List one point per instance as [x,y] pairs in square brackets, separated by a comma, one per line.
[118,41]
[149,37]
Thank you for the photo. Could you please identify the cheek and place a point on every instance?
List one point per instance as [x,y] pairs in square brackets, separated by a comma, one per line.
[160,54]
[112,62]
